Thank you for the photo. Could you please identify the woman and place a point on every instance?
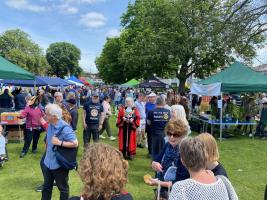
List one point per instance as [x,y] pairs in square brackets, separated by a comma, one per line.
[176,130]
[128,121]
[213,154]
[178,112]
[104,174]
[108,114]
[33,113]
[202,184]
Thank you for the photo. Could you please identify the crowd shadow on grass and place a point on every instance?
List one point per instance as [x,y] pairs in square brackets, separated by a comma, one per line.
[24,183]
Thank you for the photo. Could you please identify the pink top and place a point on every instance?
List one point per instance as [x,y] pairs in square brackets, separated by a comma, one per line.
[33,116]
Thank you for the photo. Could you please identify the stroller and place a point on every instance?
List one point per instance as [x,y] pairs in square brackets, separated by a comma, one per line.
[3,149]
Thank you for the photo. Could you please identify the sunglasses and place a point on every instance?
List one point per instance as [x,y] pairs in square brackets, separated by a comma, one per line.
[173,135]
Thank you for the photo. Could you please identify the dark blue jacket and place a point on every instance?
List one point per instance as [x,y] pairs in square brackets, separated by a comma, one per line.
[181,173]
[20,102]
[5,101]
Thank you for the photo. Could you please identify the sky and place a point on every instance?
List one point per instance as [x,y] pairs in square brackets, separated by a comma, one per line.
[84,23]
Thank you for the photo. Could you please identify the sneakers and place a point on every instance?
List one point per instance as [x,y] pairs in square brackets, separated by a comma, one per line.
[112,138]
[22,155]
[34,151]
[140,146]
[39,188]
[102,137]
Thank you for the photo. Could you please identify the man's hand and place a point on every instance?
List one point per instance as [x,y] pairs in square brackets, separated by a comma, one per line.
[84,125]
[100,127]
[56,141]
[131,120]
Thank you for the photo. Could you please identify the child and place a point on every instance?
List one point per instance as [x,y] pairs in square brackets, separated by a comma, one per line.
[3,156]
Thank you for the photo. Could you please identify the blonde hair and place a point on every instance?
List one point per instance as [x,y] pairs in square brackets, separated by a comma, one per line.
[210,145]
[103,172]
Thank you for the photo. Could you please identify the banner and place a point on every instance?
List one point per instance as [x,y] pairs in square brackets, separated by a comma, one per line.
[213,89]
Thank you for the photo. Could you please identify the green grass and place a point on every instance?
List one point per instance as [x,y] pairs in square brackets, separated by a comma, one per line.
[244,159]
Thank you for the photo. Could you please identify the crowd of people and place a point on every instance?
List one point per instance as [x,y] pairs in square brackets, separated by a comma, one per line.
[186,167]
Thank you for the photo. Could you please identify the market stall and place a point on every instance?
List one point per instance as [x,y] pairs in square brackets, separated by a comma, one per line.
[130,84]
[153,82]
[235,78]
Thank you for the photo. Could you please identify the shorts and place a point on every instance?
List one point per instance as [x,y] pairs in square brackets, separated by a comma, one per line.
[142,125]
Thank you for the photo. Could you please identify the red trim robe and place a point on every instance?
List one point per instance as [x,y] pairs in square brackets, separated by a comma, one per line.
[127,131]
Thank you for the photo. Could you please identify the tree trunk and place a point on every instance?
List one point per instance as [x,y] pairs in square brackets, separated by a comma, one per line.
[181,86]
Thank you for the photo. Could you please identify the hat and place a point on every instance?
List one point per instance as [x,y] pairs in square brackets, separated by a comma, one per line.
[152,94]
[95,94]
[31,100]
[264,100]
[72,101]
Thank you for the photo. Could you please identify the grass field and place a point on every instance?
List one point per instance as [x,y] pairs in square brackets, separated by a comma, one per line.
[245,160]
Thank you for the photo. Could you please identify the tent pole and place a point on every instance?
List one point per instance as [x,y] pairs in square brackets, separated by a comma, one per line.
[34,87]
[221,115]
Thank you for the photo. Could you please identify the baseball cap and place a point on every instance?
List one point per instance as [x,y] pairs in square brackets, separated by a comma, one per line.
[152,94]
[264,100]
[95,94]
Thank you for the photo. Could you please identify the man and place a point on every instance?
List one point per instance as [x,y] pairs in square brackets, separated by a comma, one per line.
[150,105]
[59,99]
[157,120]
[6,100]
[51,169]
[140,105]
[93,117]
[19,100]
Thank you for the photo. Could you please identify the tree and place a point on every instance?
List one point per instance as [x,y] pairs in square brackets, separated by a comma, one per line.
[190,37]
[64,59]
[108,64]
[17,47]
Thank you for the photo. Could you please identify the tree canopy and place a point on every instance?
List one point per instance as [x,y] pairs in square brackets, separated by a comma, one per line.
[17,47]
[64,59]
[183,38]
[108,64]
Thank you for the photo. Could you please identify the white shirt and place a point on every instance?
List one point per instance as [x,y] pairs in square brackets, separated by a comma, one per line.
[190,189]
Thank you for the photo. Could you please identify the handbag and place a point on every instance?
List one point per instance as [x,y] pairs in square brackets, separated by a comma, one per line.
[66,157]
[170,174]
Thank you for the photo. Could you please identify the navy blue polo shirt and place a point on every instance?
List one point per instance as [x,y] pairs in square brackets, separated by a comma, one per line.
[93,112]
[158,117]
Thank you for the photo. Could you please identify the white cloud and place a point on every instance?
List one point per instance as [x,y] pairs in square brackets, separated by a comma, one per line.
[82,1]
[113,33]
[24,5]
[68,9]
[93,20]
[92,1]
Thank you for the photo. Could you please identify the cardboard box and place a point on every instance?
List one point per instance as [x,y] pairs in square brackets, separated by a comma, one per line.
[15,135]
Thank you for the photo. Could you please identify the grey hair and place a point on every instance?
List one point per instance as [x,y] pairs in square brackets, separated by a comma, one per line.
[54,110]
[130,100]
[193,154]
[178,112]
[160,101]
[58,94]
